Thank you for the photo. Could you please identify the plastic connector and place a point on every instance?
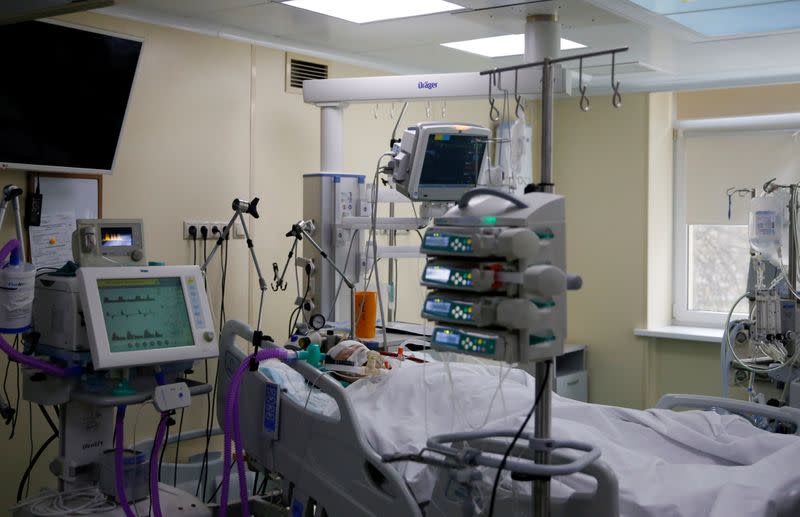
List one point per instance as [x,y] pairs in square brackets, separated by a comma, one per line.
[204,232]
[193,231]
[312,355]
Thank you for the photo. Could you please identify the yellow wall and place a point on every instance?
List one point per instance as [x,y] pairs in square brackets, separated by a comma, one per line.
[600,165]
[209,120]
[737,102]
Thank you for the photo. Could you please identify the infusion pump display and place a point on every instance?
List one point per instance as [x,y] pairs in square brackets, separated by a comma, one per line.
[138,317]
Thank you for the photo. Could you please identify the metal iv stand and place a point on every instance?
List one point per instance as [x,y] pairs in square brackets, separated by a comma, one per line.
[241,207]
[12,193]
[300,230]
[543,411]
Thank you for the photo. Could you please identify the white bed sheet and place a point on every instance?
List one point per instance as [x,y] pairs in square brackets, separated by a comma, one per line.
[668,463]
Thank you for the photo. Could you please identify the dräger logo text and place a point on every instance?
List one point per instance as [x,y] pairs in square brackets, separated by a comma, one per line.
[427,85]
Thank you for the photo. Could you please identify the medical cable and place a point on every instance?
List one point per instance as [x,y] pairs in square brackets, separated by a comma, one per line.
[545,383]
[739,360]
[204,235]
[724,358]
[51,504]
[212,401]
[177,450]
[170,422]
[374,242]
[214,493]
[294,316]
[30,443]
[341,279]
[32,464]
[501,379]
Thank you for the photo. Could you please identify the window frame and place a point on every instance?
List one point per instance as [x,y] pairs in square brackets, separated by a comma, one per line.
[684,129]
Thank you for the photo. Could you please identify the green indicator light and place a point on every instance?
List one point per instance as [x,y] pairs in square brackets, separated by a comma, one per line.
[489,219]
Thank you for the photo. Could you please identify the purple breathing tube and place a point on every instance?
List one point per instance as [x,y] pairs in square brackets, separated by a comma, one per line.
[231,424]
[155,497]
[118,472]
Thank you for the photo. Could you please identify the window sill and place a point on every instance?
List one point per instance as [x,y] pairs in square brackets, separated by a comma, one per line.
[681,333]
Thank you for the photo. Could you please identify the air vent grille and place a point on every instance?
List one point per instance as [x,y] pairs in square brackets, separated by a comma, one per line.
[300,70]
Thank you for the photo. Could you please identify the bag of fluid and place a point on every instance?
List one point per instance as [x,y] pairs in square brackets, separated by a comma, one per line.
[768,226]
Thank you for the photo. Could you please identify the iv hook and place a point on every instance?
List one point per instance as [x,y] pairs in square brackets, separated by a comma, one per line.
[584,102]
[518,97]
[616,99]
[494,113]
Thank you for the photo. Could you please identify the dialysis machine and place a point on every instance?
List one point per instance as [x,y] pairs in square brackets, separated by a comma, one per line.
[116,336]
[767,341]
[433,163]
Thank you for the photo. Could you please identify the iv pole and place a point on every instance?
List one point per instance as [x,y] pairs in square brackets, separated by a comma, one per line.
[300,230]
[241,207]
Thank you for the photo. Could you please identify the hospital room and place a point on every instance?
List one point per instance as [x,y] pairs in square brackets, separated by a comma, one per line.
[349,258]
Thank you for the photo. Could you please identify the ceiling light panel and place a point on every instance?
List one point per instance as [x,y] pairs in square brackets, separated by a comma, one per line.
[365,11]
[502,46]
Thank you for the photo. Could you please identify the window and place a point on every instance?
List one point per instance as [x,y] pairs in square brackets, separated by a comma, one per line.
[711,246]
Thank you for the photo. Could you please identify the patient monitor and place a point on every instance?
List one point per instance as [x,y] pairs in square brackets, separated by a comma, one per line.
[145,316]
[439,161]
[108,242]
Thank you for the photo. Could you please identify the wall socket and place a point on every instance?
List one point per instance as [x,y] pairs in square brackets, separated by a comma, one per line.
[236,233]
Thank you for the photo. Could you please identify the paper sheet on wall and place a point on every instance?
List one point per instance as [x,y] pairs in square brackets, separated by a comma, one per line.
[51,242]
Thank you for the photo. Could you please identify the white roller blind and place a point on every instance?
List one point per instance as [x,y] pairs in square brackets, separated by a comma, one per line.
[715,162]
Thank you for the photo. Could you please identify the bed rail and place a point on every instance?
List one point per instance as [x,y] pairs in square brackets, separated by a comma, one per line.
[326,460]
[602,502]
[784,414]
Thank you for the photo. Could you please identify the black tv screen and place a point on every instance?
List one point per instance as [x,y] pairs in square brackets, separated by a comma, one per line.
[63,96]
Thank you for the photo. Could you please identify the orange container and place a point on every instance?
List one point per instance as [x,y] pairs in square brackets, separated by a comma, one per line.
[366,313]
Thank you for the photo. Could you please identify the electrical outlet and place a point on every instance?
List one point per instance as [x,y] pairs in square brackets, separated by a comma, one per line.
[236,233]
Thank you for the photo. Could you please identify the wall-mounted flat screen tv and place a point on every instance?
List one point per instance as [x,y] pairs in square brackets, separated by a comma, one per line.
[63,96]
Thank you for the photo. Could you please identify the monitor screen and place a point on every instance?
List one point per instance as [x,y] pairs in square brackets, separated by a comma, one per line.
[116,236]
[145,313]
[452,160]
[63,95]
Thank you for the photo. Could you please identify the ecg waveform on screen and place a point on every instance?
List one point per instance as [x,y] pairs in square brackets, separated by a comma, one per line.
[121,299]
[130,335]
[146,317]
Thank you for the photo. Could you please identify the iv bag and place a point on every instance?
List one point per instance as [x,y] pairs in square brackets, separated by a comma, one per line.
[768,226]
[520,165]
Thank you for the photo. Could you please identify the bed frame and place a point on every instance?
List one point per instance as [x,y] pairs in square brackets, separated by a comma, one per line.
[327,465]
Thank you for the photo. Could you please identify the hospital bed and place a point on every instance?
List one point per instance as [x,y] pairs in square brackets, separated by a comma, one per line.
[330,465]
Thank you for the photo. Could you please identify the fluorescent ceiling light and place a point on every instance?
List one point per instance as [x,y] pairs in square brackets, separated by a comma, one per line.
[365,11]
[499,46]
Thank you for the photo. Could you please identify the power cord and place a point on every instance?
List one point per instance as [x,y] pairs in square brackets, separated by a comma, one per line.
[204,235]
[539,392]
[177,449]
